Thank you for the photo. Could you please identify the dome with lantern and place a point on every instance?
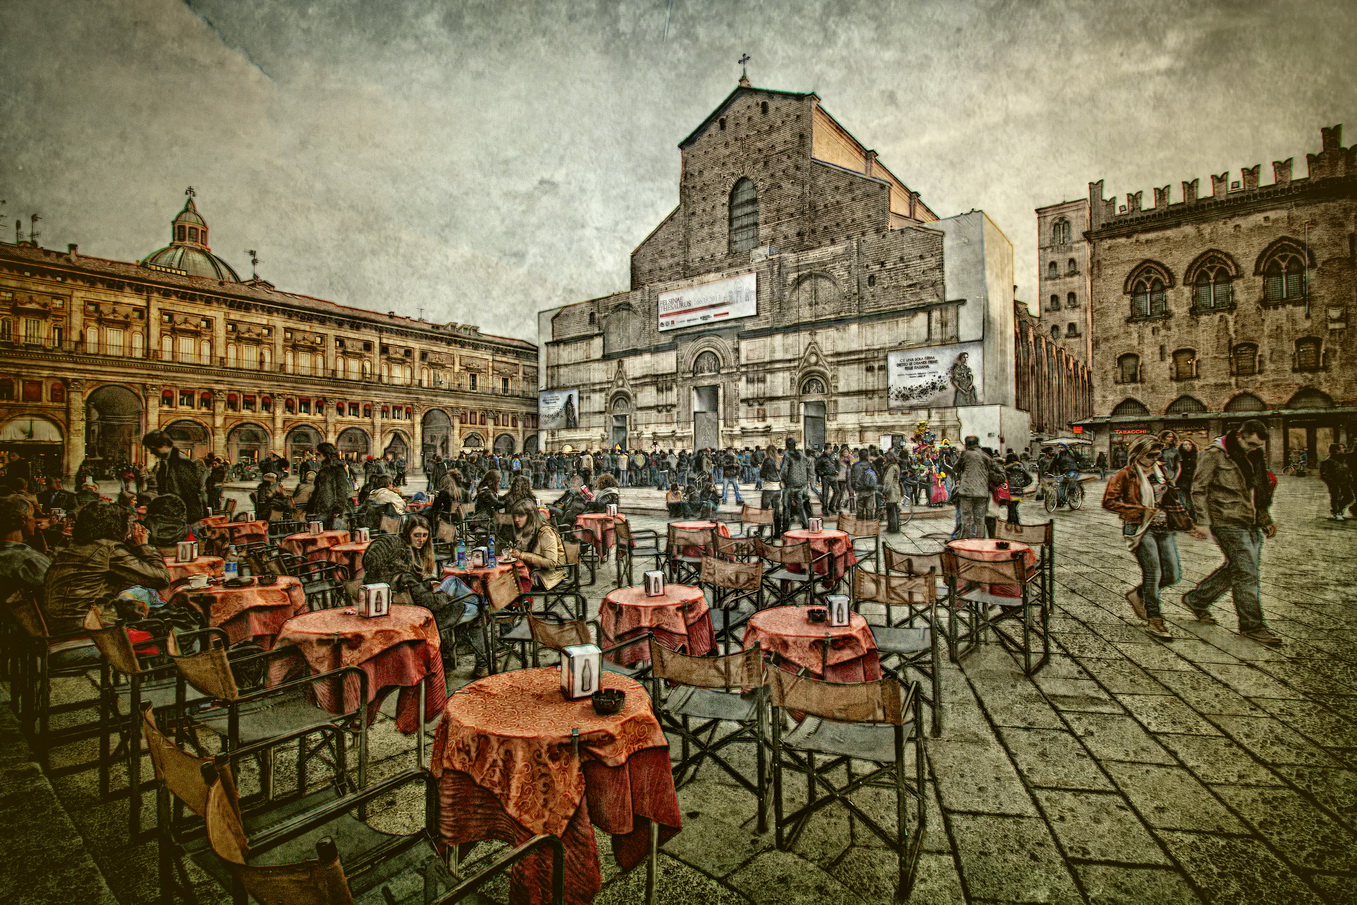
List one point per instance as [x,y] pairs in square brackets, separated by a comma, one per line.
[188,252]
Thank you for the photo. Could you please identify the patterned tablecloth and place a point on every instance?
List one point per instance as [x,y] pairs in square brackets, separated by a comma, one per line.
[680,620]
[253,612]
[238,533]
[787,631]
[602,530]
[836,543]
[507,768]
[349,555]
[399,650]
[305,544]
[203,565]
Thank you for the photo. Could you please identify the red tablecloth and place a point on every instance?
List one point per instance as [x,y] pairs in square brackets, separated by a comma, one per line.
[507,770]
[787,631]
[475,578]
[304,544]
[349,555]
[238,533]
[987,549]
[254,612]
[203,565]
[400,650]
[603,529]
[680,620]
[212,521]
[836,543]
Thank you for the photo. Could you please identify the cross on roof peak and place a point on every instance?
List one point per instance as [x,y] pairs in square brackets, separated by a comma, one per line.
[190,192]
[744,70]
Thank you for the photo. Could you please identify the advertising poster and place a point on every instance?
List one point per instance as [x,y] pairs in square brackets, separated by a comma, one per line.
[935,376]
[558,409]
[709,303]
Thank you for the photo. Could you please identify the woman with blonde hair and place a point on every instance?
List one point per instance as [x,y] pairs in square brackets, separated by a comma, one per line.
[537,544]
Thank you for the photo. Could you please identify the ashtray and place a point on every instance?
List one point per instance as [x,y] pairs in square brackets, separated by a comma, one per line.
[817,614]
[608,700]
[1001,545]
[238,582]
[266,579]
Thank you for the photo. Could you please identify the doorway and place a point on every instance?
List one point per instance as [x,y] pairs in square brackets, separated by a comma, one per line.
[813,414]
[706,417]
[619,435]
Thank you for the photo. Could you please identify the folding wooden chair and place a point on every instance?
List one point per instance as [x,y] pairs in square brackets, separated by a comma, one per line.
[789,573]
[735,592]
[683,553]
[912,641]
[735,549]
[865,536]
[1041,538]
[633,544]
[845,724]
[756,522]
[972,585]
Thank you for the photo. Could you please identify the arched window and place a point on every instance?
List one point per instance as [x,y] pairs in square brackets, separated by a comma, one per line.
[1310,398]
[1245,402]
[1128,368]
[205,401]
[1055,331]
[1130,407]
[1185,405]
[1244,359]
[1072,266]
[367,369]
[1212,284]
[706,363]
[744,216]
[1148,287]
[1053,271]
[1055,302]
[1060,232]
[1309,353]
[1184,364]
[265,358]
[167,398]
[1071,301]
[1283,270]
[1072,329]
[290,406]
[813,386]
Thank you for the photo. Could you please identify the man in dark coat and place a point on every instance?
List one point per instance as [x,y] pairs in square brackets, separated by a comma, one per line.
[177,474]
[332,490]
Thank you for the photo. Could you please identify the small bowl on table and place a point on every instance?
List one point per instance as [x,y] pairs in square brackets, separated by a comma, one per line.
[268,578]
[608,701]
[817,614]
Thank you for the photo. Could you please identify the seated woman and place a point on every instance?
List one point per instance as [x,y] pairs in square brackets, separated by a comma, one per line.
[673,500]
[537,544]
[519,489]
[108,555]
[487,496]
[608,494]
[271,504]
[406,562]
[383,495]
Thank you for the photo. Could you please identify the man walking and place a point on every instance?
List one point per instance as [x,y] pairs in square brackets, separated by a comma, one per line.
[176,473]
[797,472]
[730,478]
[974,472]
[1336,475]
[1232,492]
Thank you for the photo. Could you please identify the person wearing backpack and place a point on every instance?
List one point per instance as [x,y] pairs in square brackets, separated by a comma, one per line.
[865,482]
[1019,479]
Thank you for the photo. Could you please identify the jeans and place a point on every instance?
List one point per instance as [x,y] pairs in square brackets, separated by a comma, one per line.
[1340,497]
[726,484]
[1243,548]
[1159,567]
[797,502]
[772,499]
[454,588]
[836,498]
[973,509]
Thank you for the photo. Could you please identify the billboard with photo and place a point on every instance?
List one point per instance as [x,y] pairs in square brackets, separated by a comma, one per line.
[558,409]
[710,303]
[935,376]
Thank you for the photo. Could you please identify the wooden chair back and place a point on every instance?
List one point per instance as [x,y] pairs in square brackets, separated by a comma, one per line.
[731,672]
[883,701]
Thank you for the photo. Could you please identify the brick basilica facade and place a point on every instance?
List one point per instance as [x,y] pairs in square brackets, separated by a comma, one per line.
[1229,305]
[95,352]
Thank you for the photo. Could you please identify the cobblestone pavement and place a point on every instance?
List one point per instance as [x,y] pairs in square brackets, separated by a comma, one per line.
[1207,769]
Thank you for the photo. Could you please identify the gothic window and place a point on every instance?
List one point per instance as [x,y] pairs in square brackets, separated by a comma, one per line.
[1244,359]
[1148,287]
[1053,271]
[1060,232]
[1245,402]
[706,363]
[1128,368]
[1283,270]
[1213,284]
[813,386]
[1129,407]
[1184,364]
[744,216]
[1309,354]
[1185,405]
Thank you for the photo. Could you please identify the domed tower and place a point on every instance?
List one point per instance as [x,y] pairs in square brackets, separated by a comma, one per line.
[188,251]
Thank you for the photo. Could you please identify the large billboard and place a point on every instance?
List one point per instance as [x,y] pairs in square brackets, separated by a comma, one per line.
[936,376]
[709,303]
[558,409]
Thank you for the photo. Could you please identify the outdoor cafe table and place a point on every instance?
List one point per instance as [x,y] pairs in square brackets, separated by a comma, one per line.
[305,543]
[400,650]
[203,565]
[987,550]
[508,768]
[602,532]
[679,618]
[348,555]
[788,632]
[836,543]
[238,533]
[476,578]
[257,612]
[214,521]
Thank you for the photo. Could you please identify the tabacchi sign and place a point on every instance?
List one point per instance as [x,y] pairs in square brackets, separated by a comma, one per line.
[709,303]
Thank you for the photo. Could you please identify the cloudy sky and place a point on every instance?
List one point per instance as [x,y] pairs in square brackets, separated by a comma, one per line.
[479,161]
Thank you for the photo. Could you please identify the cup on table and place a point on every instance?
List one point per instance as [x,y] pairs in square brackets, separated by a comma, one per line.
[199,581]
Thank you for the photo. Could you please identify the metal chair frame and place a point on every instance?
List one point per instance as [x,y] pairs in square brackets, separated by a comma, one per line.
[912,646]
[968,580]
[778,574]
[643,543]
[727,586]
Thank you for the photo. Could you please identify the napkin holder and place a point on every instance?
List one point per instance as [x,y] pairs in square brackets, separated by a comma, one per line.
[475,558]
[186,551]
[249,516]
[817,524]
[580,668]
[654,584]
[364,535]
[838,610]
[612,510]
[374,600]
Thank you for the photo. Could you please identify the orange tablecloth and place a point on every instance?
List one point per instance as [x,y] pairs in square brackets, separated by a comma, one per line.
[237,533]
[254,612]
[349,555]
[836,543]
[680,619]
[787,631]
[213,521]
[203,565]
[987,549]
[399,650]
[304,544]
[602,528]
[476,578]
[507,769]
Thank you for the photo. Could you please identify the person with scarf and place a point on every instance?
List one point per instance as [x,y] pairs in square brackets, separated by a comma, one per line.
[1231,495]
[330,496]
[537,544]
[1137,493]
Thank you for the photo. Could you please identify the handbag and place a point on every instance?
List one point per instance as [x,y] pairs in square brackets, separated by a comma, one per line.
[999,492]
[1175,513]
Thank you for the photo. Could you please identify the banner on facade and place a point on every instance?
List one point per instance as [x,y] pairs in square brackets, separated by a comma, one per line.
[709,303]
[558,409]
[936,376]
